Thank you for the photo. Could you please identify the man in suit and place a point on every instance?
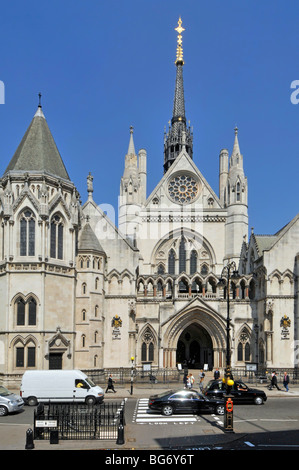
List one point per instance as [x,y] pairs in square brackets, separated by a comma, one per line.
[286,381]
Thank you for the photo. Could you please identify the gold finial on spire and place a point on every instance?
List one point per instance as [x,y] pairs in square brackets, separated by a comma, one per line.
[179,50]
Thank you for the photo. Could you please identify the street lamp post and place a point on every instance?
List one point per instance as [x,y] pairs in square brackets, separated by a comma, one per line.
[229,271]
[132,373]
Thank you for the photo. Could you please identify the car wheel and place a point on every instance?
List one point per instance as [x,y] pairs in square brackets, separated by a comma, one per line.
[3,411]
[167,410]
[258,401]
[90,400]
[219,410]
[32,401]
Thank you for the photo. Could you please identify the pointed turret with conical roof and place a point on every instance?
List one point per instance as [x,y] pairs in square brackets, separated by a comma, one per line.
[236,226]
[236,170]
[37,151]
[88,240]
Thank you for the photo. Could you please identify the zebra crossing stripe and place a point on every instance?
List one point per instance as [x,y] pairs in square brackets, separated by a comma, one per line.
[144,415]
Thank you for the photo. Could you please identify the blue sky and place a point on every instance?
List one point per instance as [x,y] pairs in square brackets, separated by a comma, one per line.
[103,66]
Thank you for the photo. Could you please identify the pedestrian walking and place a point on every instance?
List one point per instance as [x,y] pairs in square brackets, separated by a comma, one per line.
[201,379]
[185,380]
[216,374]
[192,380]
[274,382]
[110,385]
[188,382]
[286,381]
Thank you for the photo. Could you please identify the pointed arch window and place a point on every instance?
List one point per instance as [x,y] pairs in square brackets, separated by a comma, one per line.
[171,262]
[238,192]
[32,311]
[151,352]
[204,270]
[182,256]
[26,312]
[240,352]
[20,312]
[193,262]
[244,351]
[27,233]
[161,269]
[56,245]
[147,346]
[143,352]
[25,355]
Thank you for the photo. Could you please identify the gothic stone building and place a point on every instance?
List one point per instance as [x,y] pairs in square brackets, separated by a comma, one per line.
[78,292]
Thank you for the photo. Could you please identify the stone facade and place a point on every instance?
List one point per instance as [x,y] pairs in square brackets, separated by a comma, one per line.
[79,292]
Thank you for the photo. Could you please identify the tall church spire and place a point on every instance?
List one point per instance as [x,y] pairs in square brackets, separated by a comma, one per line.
[179,136]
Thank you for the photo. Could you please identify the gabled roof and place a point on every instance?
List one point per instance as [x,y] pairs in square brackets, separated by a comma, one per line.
[37,151]
[189,165]
[266,242]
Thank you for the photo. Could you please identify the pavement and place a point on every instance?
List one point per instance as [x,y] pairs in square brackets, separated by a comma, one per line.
[14,437]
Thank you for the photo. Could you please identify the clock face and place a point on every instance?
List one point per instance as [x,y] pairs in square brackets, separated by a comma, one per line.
[183,189]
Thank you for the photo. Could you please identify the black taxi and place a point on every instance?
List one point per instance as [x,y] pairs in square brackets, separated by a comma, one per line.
[241,393]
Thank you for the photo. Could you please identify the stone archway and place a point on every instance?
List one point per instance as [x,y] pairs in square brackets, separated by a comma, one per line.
[205,326]
[195,348]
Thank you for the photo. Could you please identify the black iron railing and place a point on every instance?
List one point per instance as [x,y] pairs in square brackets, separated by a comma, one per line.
[264,375]
[75,421]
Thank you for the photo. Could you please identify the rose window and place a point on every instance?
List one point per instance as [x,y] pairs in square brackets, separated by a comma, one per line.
[183,189]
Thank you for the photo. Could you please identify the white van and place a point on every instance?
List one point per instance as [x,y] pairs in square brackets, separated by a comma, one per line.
[39,386]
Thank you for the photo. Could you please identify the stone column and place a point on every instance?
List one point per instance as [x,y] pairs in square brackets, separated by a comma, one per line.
[269,357]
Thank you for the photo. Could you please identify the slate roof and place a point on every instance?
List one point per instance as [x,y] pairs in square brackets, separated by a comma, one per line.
[88,240]
[264,242]
[37,150]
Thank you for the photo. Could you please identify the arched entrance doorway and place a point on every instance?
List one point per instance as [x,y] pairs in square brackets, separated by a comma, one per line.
[195,347]
[207,340]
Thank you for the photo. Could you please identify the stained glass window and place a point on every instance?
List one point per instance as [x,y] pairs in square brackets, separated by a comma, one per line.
[183,189]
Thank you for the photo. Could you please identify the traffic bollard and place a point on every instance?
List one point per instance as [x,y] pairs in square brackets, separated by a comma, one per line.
[29,439]
[121,430]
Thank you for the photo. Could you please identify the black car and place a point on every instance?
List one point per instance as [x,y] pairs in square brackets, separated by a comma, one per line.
[185,401]
[240,392]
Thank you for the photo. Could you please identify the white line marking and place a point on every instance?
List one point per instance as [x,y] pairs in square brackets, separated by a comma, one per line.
[164,420]
[249,444]
[270,419]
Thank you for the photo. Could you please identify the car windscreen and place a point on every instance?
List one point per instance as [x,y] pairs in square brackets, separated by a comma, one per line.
[90,382]
[4,392]
[209,384]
